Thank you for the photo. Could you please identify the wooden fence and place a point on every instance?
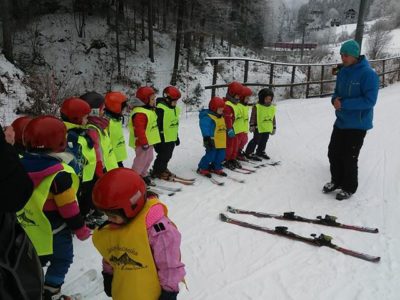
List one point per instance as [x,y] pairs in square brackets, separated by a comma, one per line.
[319,80]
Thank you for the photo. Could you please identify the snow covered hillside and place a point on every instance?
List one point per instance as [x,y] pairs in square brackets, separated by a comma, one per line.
[227,262]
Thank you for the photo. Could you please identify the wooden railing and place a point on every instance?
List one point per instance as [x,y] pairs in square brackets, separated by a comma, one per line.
[319,80]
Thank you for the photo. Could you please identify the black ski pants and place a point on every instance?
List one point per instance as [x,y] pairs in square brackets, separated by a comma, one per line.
[259,140]
[164,154]
[343,151]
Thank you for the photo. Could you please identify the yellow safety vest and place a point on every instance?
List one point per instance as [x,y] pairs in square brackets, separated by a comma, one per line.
[237,124]
[170,122]
[219,132]
[152,133]
[89,154]
[128,251]
[109,160]
[117,139]
[244,126]
[32,218]
[265,117]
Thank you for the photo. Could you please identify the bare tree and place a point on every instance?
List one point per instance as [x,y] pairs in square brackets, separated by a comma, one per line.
[179,25]
[7,29]
[379,39]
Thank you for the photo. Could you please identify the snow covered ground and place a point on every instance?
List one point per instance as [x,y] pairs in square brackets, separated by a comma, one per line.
[224,261]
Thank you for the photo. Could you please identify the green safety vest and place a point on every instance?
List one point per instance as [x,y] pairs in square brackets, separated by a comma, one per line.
[117,139]
[32,218]
[89,154]
[170,122]
[265,117]
[237,124]
[152,133]
[244,126]
[109,160]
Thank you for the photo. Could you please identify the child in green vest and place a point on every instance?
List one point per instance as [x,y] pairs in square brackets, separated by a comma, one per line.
[243,135]
[262,123]
[52,213]
[115,103]
[144,132]
[168,125]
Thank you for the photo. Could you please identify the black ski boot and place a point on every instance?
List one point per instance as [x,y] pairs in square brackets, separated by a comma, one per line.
[343,195]
[330,187]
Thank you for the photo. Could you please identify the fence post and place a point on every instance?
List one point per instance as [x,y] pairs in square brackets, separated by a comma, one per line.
[214,79]
[271,74]
[292,81]
[383,73]
[246,71]
[322,79]
[308,80]
[398,74]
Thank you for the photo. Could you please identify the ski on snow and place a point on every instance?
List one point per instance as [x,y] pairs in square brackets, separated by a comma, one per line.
[291,216]
[320,241]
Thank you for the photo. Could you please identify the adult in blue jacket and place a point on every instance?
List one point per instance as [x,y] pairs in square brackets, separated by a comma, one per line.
[354,99]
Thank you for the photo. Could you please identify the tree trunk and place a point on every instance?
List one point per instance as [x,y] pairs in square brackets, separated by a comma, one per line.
[165,14]
[117,16]
[181,11]
[7,30]
[201,38]
[134,30]
[143,31]
[150,25]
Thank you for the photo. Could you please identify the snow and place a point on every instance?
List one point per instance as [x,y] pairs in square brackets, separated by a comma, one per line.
[224,261]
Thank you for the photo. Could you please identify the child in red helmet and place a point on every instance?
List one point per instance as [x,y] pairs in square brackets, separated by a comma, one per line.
[19,125]
[52,213]
[144,132]
[84,144]
[213,129]
[115,103]
[140,245]
[168,125]
[233,119]
[244,127]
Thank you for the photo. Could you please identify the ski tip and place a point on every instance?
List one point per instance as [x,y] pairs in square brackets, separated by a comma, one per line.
[375,230]
[222,217]
[230,209]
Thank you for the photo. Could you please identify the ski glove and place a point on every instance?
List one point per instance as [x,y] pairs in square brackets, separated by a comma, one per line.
[208,143]
[273,131]
[231,133]
[83,233]
[107,282]
[145,147]
[168,295]
[178,141]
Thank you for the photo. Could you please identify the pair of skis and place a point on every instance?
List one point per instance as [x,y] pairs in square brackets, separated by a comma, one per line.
[319,241]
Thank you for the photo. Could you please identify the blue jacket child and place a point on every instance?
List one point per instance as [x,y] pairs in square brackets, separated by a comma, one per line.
[213,129]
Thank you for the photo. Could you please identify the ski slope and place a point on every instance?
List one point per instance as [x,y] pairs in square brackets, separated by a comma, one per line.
[224,261]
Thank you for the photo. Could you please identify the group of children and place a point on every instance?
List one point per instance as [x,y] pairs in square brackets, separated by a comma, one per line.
[76,166]
[225,126]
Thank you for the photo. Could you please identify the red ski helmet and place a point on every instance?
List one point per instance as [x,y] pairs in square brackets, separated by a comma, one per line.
[45,133]
[121,188]
[172,93]
[215,103]
[114,102]
[144,94]
[235,88]
[19,125]
[246,92]
[74,110]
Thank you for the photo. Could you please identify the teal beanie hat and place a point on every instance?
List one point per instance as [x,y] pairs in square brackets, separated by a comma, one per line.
[350,47]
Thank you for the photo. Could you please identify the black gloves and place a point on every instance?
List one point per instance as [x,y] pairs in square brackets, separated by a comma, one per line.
[168,295]
[107,283]
[177,142]
[208,143]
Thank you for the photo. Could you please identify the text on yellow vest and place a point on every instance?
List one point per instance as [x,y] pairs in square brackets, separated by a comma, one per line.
[109,160]
[152,133]
[265,117]
[237,124]
[219,132]
[32,218]
[170,122]
[117,139]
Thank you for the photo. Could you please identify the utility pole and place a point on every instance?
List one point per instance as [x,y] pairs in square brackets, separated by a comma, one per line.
[360,22]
